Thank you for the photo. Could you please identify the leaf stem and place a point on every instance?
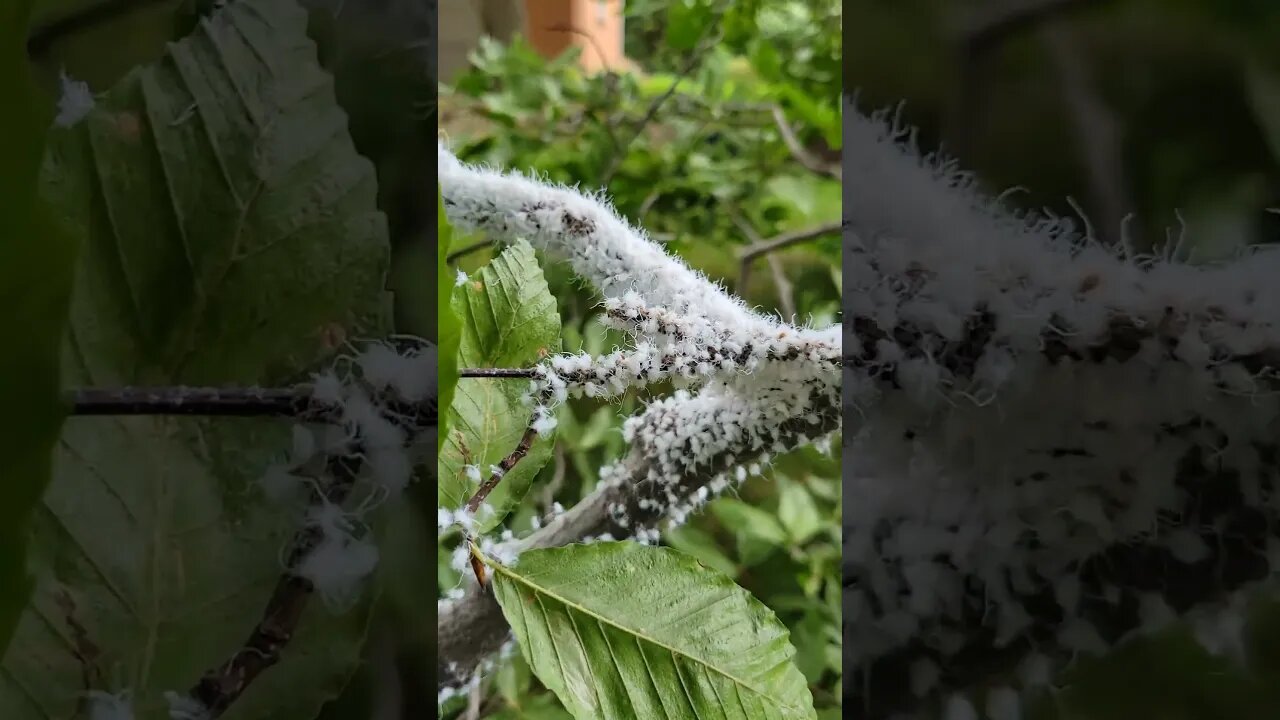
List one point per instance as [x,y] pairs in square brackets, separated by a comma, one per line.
[504,467]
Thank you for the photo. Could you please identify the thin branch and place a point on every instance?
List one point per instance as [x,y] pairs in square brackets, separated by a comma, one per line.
[504,467]
[473,627]
[239,402]
[695,56]
[759,247]
[294,401]
[221,686]
[786,292]
[467,250]
[1098,134]
[527,373]
[798,151]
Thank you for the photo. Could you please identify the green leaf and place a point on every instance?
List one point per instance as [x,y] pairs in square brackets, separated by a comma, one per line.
[449,330]
[36,263]
[231,236]
[797,511]
[749,520]
[537,707]
[686,22]
[697,543]
[509,320]
[624,630]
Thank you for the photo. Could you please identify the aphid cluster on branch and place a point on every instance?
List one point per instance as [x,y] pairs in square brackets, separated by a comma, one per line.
[747,385]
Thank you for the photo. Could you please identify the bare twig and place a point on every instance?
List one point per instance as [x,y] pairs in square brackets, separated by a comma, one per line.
[221,686]
[467,250]
[240,402]
[295,401]
[798,151]
[508,462]
[786,294]
[695,56]
[980,34]
[759,247]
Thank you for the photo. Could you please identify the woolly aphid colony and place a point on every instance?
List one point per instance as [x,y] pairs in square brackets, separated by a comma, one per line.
[748,385]
[1052,445]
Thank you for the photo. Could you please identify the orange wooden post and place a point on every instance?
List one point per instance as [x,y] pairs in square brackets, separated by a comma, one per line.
[554,26]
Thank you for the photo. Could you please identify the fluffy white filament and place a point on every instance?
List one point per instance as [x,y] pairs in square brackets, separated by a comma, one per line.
[599,244]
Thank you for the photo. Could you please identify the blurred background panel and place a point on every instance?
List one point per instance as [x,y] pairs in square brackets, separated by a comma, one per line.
[1156,118]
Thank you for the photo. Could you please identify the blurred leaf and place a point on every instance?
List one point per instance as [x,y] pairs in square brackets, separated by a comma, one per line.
[1264,96]
[696,543]
[749,520]
[797,512]
[36,265]
[687,20]
[230,232]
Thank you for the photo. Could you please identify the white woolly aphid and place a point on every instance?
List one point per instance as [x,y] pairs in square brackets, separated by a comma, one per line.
[339,563]
[600,245]
[74,102]
[278,482]
[327,388]
[337,566]
[410,374]
[185,707]
[108,706]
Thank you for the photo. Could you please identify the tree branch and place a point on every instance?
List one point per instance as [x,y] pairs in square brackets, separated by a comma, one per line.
[705,42]
[472,628]
[294,401]
[798,151]
[759,247]
[221,686]
[467,250]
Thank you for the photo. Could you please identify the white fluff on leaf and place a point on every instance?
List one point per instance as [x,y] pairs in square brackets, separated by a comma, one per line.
[337,566]
[106,706]
[74,102]
[185,707]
